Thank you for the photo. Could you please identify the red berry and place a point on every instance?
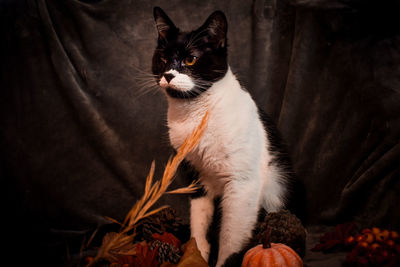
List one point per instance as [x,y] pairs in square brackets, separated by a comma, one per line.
[88,259]
[394,235]
[369,238]
[362,261]
[375,246]
[366,231]
[385,254]
[382,236]
[390,243]
[359,238]
[375,230]
[385,233]
[350,240]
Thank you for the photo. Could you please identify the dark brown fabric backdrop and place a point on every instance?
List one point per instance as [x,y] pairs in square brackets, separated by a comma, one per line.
[78,137]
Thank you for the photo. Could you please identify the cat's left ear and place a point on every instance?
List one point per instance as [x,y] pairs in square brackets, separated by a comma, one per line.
[217,28]
[164,24]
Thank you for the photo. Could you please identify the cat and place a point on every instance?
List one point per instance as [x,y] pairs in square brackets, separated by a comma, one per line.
[237,159]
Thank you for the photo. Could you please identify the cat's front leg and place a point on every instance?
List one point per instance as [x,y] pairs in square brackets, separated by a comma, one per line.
[240,206]
[201,214]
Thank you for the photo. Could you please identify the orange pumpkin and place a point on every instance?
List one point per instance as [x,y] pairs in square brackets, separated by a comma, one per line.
[270,255]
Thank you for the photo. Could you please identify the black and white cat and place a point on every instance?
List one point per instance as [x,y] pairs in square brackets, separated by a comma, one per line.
[236,158]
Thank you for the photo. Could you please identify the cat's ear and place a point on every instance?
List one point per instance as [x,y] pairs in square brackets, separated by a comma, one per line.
[164,24]
[217,28]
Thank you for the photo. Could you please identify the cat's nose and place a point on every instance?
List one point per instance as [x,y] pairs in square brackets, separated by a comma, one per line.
[169,77]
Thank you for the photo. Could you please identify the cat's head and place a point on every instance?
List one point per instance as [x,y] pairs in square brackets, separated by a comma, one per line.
[186,64]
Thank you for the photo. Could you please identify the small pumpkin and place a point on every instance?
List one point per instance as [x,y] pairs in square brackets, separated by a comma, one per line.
[271,254]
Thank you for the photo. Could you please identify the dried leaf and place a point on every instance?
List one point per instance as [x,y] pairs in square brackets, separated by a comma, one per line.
[114,250]
[113,220]
[154,211]
[149,179]
[186,190]
[191,257]
[145,257]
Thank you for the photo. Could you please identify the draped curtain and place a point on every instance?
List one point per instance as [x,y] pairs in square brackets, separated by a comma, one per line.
[81,123]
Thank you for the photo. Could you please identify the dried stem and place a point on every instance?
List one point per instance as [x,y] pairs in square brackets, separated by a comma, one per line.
[266,242]
[152,193]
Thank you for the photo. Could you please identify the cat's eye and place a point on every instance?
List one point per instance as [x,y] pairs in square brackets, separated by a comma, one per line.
[190,61]
[163,60]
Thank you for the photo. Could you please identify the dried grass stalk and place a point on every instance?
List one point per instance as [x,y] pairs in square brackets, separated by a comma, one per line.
[121,243]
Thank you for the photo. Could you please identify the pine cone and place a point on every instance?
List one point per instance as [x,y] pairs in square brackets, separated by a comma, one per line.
[163,221]
[166,252]
[285,228]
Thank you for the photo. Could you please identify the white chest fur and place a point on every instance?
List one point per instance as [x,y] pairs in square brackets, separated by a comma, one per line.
[234,140]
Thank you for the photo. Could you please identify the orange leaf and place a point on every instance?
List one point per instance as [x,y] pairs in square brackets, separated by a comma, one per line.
[145,257]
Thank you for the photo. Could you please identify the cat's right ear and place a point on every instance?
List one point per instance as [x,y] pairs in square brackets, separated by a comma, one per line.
[217,27]
[164,24]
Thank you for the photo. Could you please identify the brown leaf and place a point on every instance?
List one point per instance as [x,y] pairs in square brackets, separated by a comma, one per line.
[118,245]
[191,257]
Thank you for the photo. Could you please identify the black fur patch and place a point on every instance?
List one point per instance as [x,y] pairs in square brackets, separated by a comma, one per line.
[208,44]
[295,198]
[187,170]
[213,237]
[185,95]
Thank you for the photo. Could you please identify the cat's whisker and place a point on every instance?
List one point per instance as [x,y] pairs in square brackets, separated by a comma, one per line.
[203,84]
[140,70]
[147,87]
[207,85]
[146,90]
[144,79]
[144,84]
[144,75]
[219,71]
